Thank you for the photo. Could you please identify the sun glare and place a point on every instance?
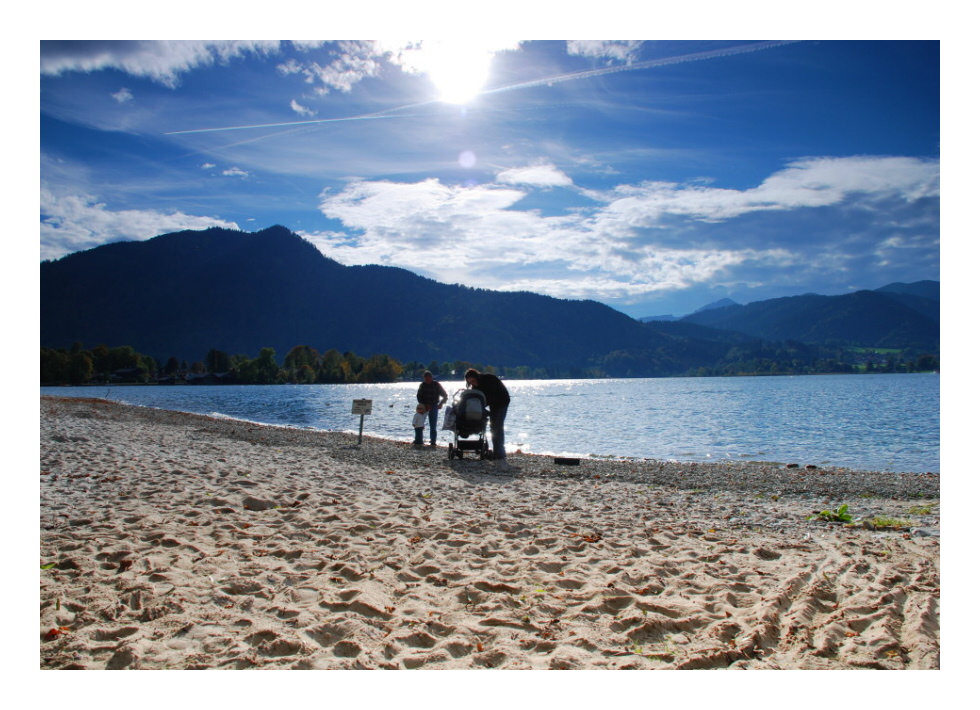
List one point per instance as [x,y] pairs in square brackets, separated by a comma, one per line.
[457,70]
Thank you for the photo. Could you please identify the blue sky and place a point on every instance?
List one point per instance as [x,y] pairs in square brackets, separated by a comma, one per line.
[652,176]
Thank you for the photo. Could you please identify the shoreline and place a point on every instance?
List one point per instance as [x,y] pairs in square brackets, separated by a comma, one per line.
[783,435]
[179,540]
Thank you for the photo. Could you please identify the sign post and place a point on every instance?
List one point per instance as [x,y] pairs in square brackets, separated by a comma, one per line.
[362,407]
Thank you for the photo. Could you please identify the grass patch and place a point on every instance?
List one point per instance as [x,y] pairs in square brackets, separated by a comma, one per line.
[833,516]
[883,521]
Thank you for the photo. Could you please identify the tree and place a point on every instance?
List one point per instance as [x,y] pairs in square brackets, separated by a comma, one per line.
[380,368]
[305,375]
[299,356]
[266,369]
[148,365]
[119,358]
[217,361]
[927,363]
[54,365]
[351,366]
[100,361]
[301,364]
[79,368]
[172,366]
[330,367]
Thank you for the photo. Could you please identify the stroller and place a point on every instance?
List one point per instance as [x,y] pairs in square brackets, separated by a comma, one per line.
[467,418]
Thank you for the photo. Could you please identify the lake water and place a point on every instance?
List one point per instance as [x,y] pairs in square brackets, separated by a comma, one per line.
[871,422]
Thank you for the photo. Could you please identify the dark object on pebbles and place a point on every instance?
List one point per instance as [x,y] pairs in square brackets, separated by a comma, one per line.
[566,461]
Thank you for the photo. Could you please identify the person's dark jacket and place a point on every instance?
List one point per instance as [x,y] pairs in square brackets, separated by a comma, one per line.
[494,390]
[431,394]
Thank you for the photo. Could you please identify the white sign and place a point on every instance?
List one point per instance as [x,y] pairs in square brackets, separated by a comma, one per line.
[361,406]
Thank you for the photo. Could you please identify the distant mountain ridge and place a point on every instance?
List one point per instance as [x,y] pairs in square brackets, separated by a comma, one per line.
[894,316]
[721,303]
[928,290]
[184,293]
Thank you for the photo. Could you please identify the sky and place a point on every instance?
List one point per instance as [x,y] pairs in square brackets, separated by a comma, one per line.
[652,176]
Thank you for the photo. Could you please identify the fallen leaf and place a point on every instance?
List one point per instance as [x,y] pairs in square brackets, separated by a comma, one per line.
[54,633]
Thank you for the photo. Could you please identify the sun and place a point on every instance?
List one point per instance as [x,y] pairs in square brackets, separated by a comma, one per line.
[459,71]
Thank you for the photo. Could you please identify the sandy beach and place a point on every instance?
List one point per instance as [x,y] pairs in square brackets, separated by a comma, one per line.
[180,541]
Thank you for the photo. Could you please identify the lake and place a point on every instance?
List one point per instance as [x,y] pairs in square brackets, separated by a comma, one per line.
[872,422]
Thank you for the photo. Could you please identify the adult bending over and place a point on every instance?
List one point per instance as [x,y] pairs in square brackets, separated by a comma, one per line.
[498,399]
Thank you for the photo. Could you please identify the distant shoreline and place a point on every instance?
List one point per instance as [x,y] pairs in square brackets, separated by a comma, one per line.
[871,439]
[758,476]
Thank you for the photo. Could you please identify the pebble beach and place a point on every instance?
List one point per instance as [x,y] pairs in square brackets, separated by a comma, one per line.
[180,541]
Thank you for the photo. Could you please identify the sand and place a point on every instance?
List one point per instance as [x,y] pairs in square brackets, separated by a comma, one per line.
[185,542]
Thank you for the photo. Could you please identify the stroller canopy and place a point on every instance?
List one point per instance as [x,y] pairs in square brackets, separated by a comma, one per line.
[471,406]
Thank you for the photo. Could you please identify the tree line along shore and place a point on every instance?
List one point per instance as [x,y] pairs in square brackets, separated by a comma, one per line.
[303,364]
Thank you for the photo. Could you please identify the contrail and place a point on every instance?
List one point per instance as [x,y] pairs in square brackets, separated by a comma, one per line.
[589,73]
[571,76]
[281,125]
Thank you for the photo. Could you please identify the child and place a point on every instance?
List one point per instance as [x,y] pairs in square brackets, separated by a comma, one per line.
[418,421]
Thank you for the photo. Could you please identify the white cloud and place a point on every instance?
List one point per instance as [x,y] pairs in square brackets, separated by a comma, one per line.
[626,247]
[814,182]
[408,212]
[73,222]
[459,234]
[822,181]
[291,66]
[353,61]
[453,233]
[124,95]
[541,175]
[161,60]
[307,45]
[235,172]
[614,50]
[300,109]
[423,56]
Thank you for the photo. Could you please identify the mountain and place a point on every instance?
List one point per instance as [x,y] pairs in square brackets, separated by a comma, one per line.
[923,289]
[721,303]
[921,296]
[184,293]
[892,318]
